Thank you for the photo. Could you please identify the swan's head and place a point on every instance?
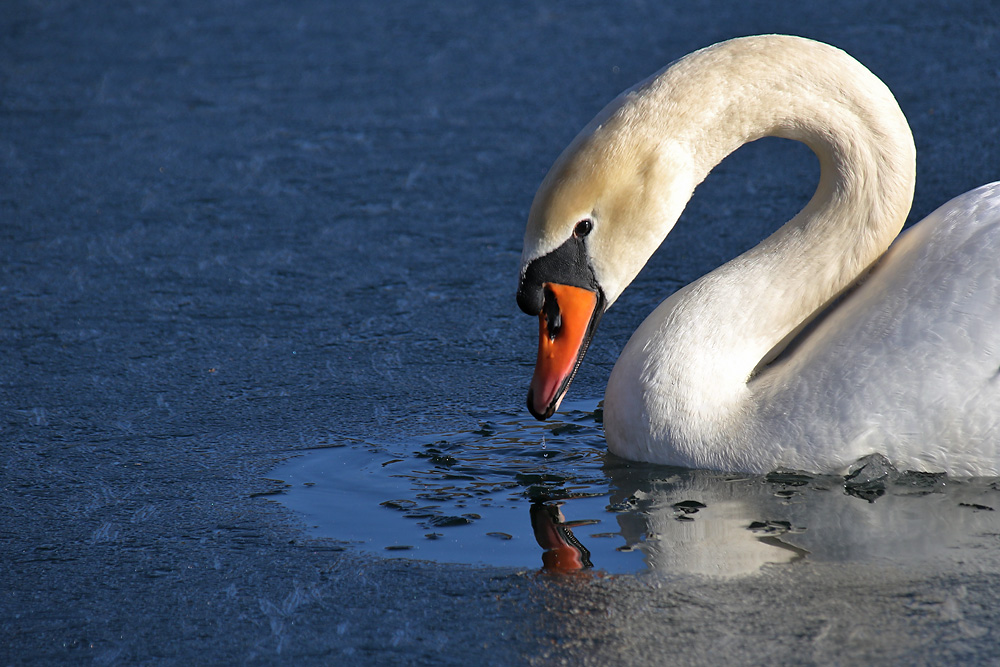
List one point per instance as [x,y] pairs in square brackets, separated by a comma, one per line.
[603,208]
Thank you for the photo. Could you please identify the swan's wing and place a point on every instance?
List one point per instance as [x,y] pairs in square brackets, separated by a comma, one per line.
[909,363]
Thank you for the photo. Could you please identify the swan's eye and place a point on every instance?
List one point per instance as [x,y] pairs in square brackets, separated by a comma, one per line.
[583,228]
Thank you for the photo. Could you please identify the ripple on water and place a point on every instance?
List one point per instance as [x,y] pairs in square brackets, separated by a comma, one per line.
[492,495]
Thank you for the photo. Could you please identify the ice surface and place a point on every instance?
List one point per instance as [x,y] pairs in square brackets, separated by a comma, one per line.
[234,232]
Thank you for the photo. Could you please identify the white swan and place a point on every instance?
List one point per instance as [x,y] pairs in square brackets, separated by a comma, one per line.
[725,374]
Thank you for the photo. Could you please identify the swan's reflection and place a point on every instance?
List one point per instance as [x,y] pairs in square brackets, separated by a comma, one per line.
[707,523]
[699,522]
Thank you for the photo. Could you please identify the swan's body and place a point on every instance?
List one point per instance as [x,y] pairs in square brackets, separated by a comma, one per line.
[722,375]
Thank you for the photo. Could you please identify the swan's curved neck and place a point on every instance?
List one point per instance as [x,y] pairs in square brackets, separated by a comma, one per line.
[714,333]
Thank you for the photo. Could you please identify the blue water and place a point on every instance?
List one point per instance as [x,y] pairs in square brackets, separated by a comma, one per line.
[470,497]
[462,497]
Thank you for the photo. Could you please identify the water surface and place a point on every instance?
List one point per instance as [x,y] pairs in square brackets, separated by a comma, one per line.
[521,493]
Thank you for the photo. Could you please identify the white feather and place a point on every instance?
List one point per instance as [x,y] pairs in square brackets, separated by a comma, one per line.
[907,364]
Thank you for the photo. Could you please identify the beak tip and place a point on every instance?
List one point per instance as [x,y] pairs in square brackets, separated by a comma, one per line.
[540,415]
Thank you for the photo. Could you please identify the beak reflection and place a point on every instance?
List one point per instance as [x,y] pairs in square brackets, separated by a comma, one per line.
[562,551]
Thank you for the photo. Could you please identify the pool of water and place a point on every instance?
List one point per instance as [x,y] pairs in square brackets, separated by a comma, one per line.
[526,494]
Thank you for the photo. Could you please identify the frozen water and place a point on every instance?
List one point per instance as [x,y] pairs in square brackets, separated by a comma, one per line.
[234,232]
[868,477]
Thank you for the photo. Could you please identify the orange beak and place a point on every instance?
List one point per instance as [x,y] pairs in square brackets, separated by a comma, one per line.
[565,326]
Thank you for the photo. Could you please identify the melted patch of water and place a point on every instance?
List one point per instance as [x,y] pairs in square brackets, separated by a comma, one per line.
[521,493]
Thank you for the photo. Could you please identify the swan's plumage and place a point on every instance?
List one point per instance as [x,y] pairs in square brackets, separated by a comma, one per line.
[906,364]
